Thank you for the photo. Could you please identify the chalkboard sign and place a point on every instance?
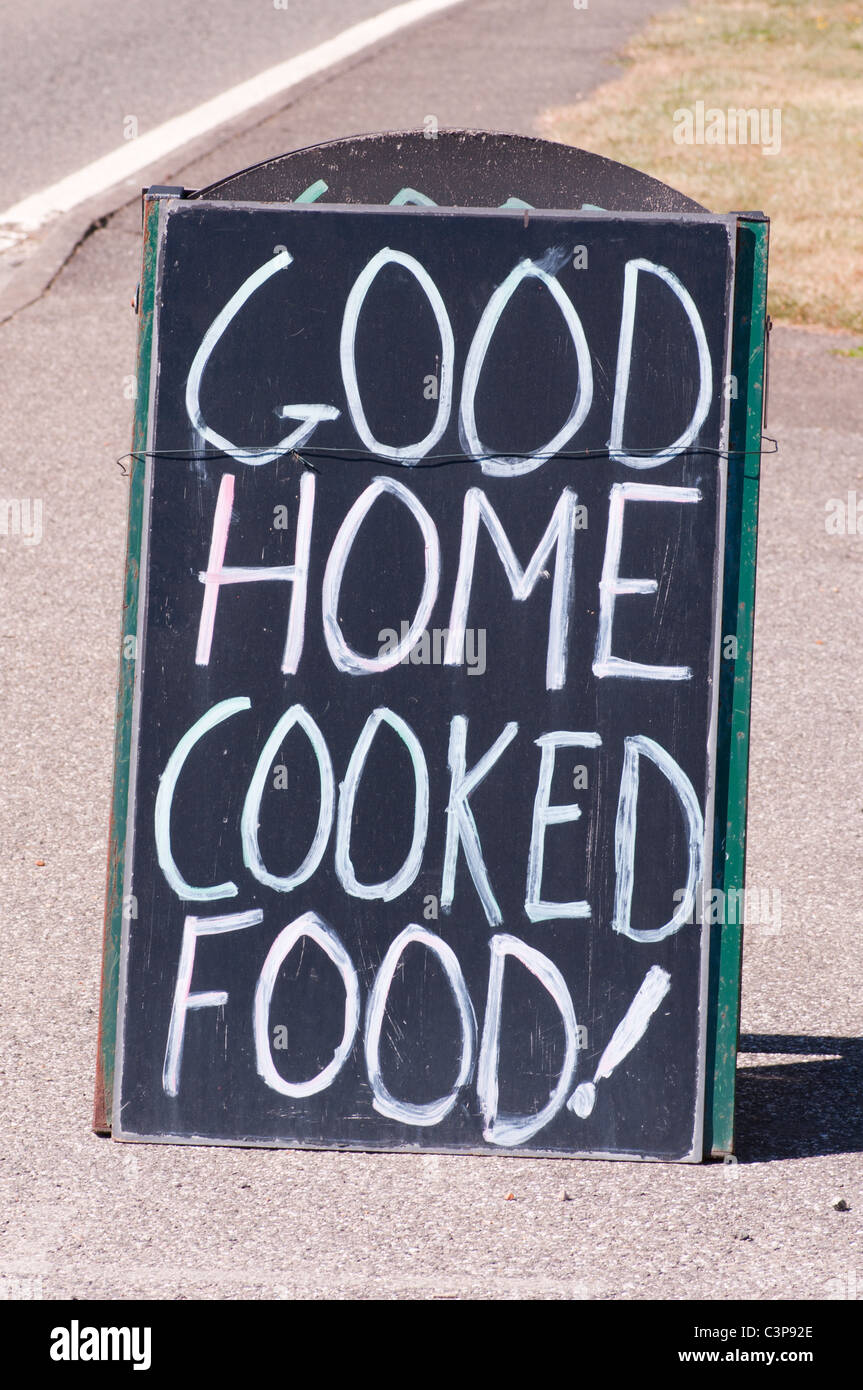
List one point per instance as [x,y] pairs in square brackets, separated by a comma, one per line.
[420,812]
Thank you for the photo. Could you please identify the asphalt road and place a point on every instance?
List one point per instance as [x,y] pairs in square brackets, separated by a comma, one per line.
[89,69]
[84,1217]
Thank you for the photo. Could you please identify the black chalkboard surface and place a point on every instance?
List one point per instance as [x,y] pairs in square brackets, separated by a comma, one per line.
[425,711]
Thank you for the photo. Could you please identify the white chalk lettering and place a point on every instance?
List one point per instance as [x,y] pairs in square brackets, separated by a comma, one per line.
[193,927]
[310,416]
[165,797]
[624,360]
[559,534]
[611,585]
[460,825]
[347,350]
[344,657]
[397,883]
[545,815]
[250,822]
[432,1112]
[312,926]
[630,1030]
[624,839]
[217,573]
[471,443]
[517,1129]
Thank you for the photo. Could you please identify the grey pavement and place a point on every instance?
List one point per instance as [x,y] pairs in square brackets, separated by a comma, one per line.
[91,1218]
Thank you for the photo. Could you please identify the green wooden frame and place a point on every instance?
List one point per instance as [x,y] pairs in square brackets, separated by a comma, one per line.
[748,352]
[732,755]
[114,905]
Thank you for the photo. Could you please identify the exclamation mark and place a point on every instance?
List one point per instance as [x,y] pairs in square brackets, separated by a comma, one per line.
[628,1032]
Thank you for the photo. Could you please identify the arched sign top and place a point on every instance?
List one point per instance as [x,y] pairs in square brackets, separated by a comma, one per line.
[450,168]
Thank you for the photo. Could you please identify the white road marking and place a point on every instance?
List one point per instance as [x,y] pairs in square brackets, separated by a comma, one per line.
[34,211]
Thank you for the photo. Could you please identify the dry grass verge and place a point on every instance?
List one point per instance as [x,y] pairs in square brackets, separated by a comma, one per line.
[801,59]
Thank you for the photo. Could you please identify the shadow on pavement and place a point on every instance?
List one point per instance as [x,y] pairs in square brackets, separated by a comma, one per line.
[798,1108]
